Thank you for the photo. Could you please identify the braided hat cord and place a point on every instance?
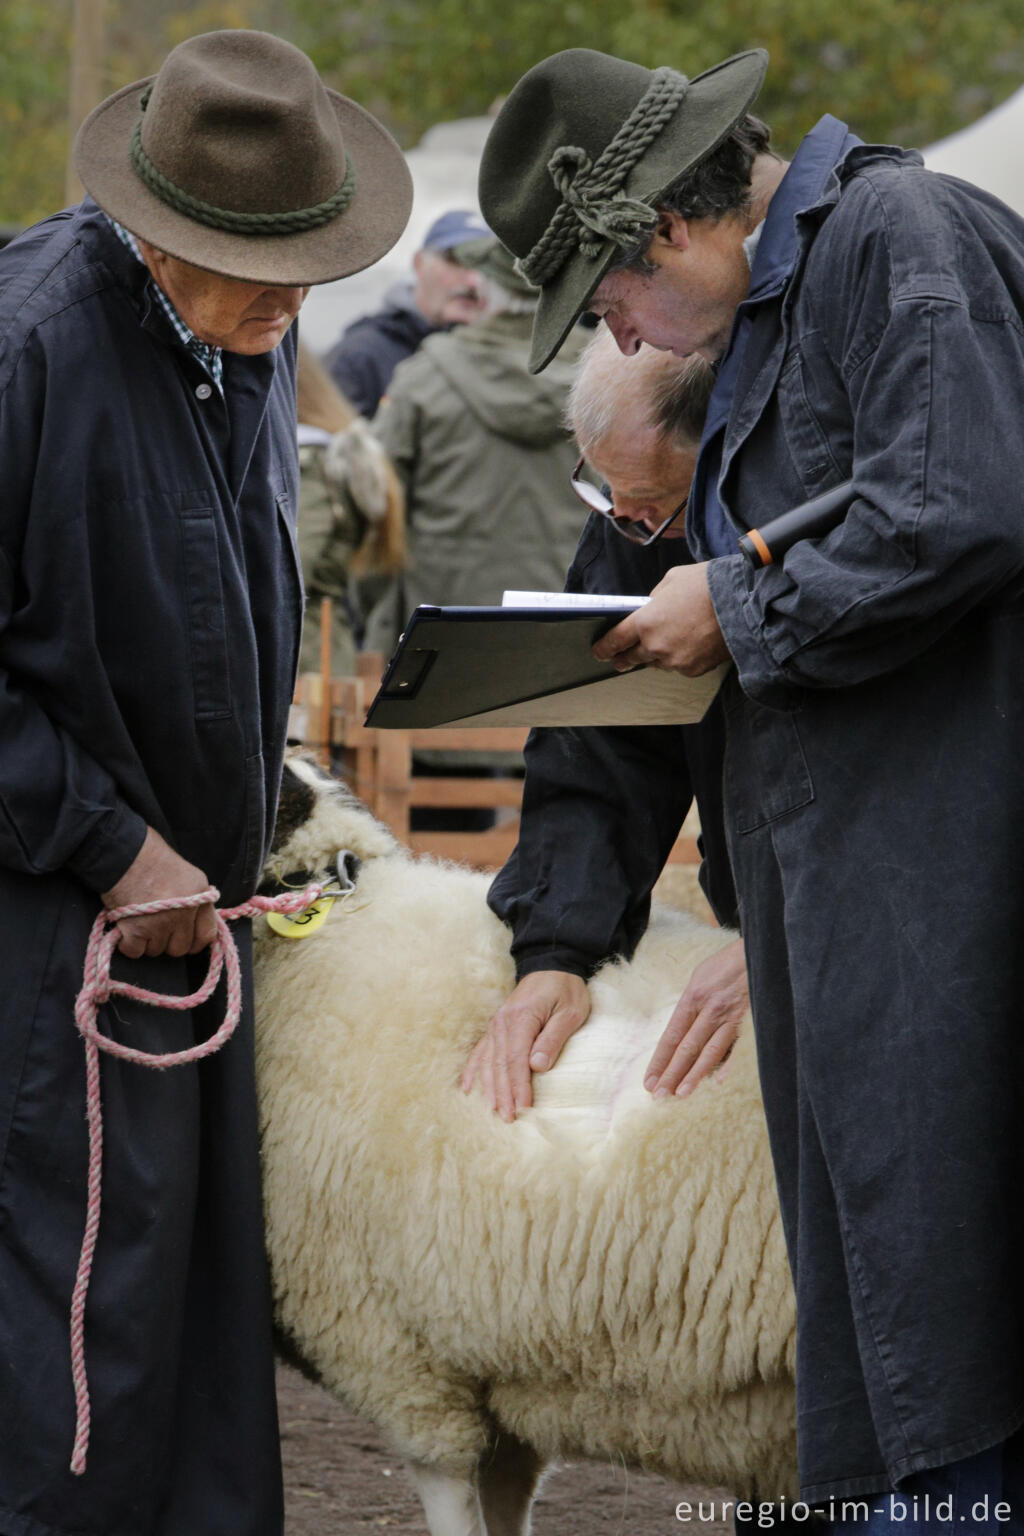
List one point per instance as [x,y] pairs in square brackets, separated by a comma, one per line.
[294,222]
[594,208]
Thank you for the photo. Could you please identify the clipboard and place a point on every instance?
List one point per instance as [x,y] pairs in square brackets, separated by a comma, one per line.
[526,666]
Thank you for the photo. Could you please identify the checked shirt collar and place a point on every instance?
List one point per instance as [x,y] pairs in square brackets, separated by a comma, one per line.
[210,357]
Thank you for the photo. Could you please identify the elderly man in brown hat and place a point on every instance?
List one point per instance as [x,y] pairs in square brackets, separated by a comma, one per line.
[865,319]
[150,606]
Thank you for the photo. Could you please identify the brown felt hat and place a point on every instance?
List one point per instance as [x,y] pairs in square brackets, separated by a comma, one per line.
[578,156]
[237,158]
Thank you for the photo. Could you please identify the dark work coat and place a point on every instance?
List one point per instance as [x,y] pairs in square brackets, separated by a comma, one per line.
[150,606]
[875,801]
[368,351]
[603,805]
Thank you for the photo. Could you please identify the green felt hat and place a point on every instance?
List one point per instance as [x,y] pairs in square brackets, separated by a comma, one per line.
[578,157]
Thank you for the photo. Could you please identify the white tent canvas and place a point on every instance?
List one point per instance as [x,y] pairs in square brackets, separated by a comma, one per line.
[990,152]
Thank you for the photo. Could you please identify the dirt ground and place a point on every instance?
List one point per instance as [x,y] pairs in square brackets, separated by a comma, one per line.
[340,1479]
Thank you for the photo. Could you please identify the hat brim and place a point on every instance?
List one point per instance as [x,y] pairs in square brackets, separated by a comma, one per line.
[713,105]
[366,231]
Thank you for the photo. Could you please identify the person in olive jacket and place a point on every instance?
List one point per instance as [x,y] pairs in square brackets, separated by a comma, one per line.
[864,316]
[483,453]
[150,606]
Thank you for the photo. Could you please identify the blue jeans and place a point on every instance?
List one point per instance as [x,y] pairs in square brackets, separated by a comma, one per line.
[983,1495]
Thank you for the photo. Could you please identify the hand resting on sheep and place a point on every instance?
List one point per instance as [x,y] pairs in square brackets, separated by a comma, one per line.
[603,1278]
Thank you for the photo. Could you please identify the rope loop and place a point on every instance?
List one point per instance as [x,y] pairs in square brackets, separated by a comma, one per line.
[97,988]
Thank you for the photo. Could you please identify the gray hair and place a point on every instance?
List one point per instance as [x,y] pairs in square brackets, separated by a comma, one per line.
[717,186]
[680,397]
[655,388]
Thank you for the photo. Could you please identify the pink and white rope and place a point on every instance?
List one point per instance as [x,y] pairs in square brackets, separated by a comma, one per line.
[97,988]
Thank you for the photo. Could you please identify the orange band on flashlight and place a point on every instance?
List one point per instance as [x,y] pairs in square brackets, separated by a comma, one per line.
[764,553]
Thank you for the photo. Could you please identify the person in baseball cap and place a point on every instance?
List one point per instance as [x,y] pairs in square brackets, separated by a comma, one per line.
[441,293]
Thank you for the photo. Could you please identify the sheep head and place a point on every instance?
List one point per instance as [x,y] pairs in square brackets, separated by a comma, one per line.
[317,817]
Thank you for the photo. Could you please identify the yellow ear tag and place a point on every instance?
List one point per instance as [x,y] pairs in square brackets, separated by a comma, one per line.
[299,925]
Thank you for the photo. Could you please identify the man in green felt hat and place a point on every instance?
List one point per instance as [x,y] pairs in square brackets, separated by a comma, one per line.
[864,317]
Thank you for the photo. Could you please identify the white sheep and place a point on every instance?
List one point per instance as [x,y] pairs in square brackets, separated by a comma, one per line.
[605,1278]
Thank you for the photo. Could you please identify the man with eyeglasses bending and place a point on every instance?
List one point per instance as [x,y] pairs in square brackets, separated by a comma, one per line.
[602,806]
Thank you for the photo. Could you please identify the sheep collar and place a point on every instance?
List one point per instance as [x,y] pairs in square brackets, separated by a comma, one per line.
[302,925]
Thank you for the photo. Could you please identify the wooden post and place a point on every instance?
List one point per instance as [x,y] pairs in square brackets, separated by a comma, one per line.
[326,636]
[86,85]
[394,782]
[370,665]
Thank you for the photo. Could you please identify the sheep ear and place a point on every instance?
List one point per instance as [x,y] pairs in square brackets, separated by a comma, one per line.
[296,804]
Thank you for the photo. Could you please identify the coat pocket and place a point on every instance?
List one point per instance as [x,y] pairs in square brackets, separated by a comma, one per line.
[204,608]
[766,772]
[815,433]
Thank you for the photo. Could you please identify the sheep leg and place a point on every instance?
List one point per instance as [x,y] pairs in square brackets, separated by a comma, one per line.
[508,1479]
[451,1506]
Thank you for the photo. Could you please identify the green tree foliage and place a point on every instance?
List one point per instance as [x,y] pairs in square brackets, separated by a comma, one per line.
[908,71]
[35,72]
[35,45]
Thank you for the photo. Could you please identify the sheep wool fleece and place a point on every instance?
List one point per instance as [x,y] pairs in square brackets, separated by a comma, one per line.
[150,606]
[875,734]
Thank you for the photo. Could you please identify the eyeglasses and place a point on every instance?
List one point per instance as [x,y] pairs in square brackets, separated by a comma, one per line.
[635,531]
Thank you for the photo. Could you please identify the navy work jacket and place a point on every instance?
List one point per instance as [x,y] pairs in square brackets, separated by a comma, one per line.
[874,805]
[709,530]
[150,606]
[149,589]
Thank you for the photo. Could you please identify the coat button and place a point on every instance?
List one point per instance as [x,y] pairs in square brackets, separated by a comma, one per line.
[204,391]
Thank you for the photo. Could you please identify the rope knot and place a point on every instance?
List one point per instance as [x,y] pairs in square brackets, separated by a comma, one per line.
[607,213]
[593,208]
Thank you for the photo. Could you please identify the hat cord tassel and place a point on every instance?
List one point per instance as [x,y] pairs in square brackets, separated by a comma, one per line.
[593,207]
